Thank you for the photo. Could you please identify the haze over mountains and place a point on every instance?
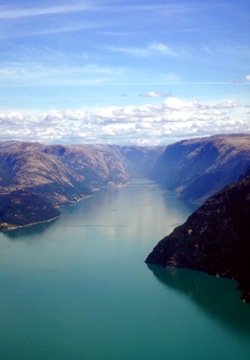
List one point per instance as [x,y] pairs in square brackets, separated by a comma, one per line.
[197,169]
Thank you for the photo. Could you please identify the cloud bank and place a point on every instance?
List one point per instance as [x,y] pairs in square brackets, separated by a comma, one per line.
[147,124]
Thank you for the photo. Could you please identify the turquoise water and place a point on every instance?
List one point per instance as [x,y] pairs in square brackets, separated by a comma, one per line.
[78,288]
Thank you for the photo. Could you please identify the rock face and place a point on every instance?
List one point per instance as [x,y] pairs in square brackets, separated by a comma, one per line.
[36,179]
[197,169]
[214,239]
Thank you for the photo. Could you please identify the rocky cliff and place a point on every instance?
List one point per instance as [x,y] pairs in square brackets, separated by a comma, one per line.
[214,239]
[197,169]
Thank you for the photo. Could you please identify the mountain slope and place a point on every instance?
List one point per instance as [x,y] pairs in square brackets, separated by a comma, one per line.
[37,179]
[214,239]
[197,169]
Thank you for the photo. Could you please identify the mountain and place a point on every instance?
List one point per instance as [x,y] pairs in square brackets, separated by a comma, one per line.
[140,160]
[36,180]
[197,169]
[214,239]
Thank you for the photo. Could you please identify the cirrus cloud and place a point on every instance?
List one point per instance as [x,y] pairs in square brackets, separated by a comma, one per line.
[150,50]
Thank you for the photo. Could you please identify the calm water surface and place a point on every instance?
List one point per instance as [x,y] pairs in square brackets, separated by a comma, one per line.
[78,288]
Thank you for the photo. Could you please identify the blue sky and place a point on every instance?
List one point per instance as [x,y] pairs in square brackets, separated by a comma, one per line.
[123,72]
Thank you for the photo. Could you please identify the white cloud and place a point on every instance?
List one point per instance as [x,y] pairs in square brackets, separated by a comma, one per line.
[12,118]
[178,104]
[151,124]
[155,94]
[53,115]
[226,105]
[242,80]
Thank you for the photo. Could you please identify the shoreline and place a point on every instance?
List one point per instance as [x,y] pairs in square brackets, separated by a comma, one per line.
[11,227]
[5,227]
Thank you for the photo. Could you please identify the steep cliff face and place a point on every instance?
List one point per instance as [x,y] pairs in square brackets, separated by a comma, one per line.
[36,179]
[214,239]
[197,169]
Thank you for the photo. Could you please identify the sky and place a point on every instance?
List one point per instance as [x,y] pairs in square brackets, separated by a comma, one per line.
[123,72]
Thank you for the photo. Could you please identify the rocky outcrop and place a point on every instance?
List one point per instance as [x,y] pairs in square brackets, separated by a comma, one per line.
[197,169]
[214,239]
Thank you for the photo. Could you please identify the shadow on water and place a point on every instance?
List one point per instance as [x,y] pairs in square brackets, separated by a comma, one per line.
[213,295]
[29,230]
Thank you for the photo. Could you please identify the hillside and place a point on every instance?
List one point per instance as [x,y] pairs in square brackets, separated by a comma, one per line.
[214,239]
[36,180]
[197,169]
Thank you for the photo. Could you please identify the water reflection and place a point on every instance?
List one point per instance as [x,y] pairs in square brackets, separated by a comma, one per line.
[215,296]
[79,286]
[131,209]
[29,231]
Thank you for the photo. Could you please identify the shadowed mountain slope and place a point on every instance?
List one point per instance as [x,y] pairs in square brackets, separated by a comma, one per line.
[214,239]
[197,169]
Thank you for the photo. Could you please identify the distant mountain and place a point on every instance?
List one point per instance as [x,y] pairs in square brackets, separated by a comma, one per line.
[36,180]
[214,239]
[197,169]
[140,160]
